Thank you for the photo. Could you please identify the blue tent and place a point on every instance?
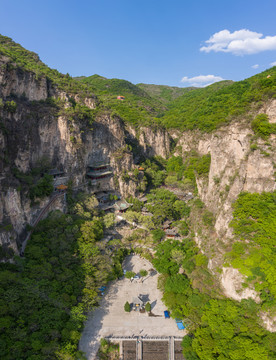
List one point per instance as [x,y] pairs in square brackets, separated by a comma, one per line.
[180,326]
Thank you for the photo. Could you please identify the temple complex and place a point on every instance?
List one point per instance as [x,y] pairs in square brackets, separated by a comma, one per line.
[60,180]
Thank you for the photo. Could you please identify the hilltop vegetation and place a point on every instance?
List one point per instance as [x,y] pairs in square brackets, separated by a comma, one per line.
[156,105]
[137,108]
[218,104]
[164,93]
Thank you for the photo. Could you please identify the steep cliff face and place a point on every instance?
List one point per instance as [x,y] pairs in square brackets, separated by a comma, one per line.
[20,83]
[152,142]
[239,162]
[236,166]
[38,130]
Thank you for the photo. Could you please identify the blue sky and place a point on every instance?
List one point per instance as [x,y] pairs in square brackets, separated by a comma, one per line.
[153,41]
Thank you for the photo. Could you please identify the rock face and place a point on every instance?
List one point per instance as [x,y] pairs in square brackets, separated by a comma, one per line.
[21,83]
[154,142]
[235,167]
[37,131]
[151,142]
[231,280]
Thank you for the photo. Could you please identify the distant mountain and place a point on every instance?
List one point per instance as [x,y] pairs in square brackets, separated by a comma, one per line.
[219,103]
[113,86]
[163,92]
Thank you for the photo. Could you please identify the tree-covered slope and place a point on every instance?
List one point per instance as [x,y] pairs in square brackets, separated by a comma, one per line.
[218,104]
[138,107]
[163,92]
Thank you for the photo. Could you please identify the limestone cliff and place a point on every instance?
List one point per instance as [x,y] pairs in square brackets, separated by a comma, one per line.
[38,129]
[239,162]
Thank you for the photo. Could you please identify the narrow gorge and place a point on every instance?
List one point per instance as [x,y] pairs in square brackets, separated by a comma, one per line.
[212,183]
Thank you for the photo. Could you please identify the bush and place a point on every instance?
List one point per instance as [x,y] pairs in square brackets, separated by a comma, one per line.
[158,235]
[127,307]
[148,307]
[10,106]
[130,274]
[261,126]
[143,272]
[43,188]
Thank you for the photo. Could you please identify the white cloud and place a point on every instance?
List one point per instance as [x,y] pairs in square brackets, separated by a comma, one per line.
[255,66]
[239,42]
[201,80]
[273,63]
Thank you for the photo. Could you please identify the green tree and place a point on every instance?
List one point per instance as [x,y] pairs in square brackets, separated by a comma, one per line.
[158,235]
[127,307]
[130,274]
[143,272]
[148,307]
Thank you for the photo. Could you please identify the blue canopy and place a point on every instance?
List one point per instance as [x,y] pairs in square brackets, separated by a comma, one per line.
[180,326]
[167,314]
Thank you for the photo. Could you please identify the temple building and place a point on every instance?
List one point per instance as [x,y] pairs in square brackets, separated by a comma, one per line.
[122,206]
[100,174]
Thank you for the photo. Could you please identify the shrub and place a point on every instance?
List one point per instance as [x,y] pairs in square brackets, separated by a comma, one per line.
[129,274]
[253,147]
[10,106]
[261,126]
[158,235]
[148,307]
[143,272]
[127,307]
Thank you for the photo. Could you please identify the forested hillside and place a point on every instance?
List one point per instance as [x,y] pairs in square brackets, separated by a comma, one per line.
[218,104]
[137,107]
[164,93]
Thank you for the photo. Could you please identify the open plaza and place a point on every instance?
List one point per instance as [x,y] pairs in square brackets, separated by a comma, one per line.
[111,320]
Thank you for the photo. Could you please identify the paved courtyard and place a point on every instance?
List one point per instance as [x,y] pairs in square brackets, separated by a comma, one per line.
[110,319]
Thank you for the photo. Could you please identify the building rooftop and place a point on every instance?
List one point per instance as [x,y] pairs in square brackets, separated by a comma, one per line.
[122,205]
[55,172]
[171,232]
[99,164]
[62,187]
[98,173]
[60,180]
[137,300]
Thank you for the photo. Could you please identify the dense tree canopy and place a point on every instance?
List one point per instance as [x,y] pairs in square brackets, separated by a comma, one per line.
[44,298]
